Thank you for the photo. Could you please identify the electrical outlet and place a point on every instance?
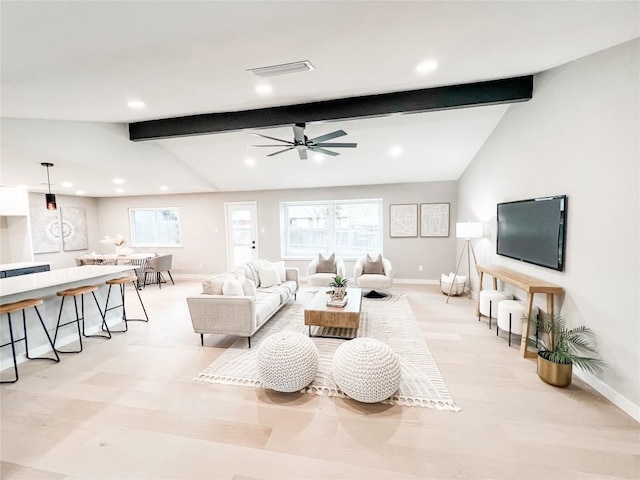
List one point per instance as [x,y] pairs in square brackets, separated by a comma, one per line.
[420,268]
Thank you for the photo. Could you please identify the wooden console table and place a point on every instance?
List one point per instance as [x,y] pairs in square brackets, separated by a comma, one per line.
[528,284]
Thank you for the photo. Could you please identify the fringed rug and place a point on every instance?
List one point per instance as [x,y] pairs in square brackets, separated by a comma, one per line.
[389,320]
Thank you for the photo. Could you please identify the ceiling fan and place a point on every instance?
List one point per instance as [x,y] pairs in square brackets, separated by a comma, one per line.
[301,143]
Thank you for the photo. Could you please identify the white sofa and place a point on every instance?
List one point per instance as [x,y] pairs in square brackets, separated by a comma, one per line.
[240,301]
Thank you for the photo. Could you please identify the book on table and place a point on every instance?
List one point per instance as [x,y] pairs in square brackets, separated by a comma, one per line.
[337,303]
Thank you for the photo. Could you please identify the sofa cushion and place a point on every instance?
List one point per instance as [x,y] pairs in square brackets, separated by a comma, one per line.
[373,265]
[248,287]
[251,272]
[278,266]
[269,277]
[213,285]
[326,265]
[266,304]
[232,286]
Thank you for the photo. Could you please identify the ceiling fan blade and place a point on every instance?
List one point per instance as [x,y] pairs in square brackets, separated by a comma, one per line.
[298,133]
[272,138]
[323,151]
[303,154]
[280,151]
[328,136]
[337,145]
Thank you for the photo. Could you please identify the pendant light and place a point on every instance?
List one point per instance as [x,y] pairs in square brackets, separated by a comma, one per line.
[50,198]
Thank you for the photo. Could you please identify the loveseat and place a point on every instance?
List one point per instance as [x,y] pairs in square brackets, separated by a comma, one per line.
[242,300]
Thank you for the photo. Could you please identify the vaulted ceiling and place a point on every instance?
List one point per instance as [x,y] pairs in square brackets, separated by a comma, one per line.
[70,68]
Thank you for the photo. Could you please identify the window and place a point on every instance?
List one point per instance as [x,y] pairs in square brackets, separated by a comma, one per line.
[350,228]
[154,227]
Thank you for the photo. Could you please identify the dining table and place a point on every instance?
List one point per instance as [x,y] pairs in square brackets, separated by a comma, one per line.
[138,260]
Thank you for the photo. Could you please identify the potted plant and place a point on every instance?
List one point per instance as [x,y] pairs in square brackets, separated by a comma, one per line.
[339,285]
[560,347]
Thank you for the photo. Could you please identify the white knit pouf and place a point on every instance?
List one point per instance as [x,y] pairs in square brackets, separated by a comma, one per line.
[366,370]
[287,361]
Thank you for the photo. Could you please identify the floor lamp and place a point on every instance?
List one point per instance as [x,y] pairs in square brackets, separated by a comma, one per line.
[468,231]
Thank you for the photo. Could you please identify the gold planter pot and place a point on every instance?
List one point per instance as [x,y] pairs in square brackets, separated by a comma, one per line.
[556,374]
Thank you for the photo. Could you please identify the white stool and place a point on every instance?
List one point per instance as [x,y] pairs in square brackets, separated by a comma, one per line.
[366,370]
[287,361]
[510,317]
[489,300]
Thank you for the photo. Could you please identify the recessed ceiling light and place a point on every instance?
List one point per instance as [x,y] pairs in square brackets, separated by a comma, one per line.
[118,181]
[137,104]
[119,190]
[264,89]
[395,151]
[79,192]
[426,66]
[164,188]
[67,184]
[249,162]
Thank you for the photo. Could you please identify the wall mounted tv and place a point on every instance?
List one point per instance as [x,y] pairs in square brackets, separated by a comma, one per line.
[533,231]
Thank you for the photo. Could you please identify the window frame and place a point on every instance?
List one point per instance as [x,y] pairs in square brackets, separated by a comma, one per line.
[156,244]
[331,228]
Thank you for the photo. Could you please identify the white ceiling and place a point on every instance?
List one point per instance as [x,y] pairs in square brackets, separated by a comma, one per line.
[69,69]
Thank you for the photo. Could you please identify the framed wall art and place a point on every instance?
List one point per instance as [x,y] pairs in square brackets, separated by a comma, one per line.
[45,230]
[74,228]
[403,220]
[434,219]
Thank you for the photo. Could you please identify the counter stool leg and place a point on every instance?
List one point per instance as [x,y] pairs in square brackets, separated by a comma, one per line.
[58,325]
[142,304]
[13,351]
[124,313]
[57,359]
[105,327]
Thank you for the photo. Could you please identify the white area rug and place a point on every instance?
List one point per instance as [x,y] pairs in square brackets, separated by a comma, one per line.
[389,320]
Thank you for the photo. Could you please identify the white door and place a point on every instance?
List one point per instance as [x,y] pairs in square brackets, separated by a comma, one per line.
[242,232]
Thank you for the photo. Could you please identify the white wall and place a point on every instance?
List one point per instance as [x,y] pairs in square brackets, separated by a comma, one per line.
[203,228]
[579,136]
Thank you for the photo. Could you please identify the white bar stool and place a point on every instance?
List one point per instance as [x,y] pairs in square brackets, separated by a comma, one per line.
[489,300]
[510,319]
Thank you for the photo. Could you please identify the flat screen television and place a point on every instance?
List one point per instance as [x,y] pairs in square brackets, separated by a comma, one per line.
[533,231]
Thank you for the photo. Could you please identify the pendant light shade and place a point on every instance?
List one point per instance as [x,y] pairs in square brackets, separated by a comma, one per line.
[50,198]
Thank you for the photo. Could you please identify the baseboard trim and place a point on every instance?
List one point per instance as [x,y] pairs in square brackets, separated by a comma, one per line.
[623,403]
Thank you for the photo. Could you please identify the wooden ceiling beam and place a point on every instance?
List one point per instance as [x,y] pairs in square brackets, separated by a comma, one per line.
[493,92]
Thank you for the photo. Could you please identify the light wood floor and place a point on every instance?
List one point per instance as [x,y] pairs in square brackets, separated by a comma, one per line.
[127,408]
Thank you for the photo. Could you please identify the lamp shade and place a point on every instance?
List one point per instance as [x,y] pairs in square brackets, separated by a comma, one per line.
[469,230]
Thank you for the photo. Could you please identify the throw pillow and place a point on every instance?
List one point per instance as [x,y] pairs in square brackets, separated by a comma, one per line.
[279,267]
[232,286]
[248,287]
[213,286]
[373,265]
[268,277]
[326,265]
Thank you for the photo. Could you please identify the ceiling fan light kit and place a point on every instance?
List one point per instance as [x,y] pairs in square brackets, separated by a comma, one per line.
[302,143]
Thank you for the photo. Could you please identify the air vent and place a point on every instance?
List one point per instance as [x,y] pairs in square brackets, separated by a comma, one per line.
[283,69]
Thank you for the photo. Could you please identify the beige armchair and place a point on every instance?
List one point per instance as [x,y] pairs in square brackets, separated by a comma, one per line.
[374,274]
[321,270]
[155,266]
